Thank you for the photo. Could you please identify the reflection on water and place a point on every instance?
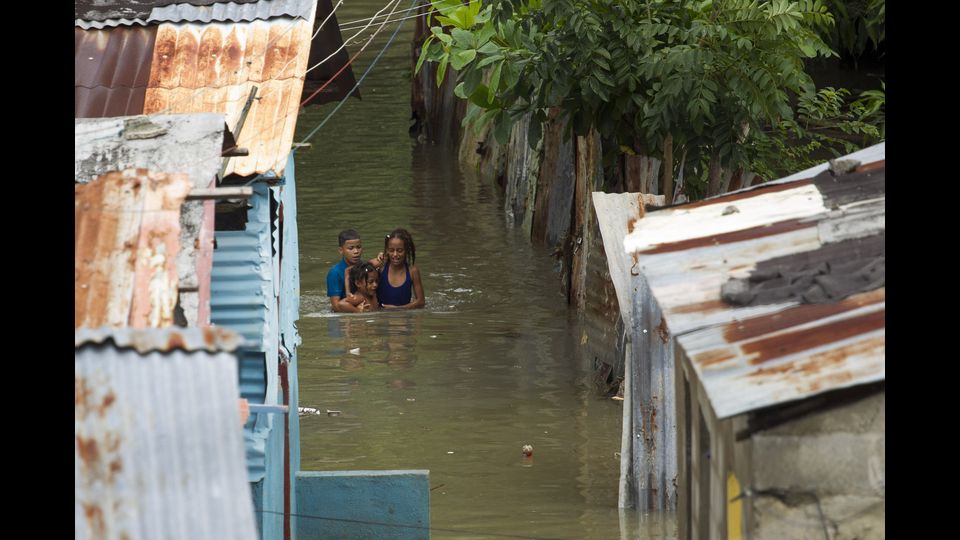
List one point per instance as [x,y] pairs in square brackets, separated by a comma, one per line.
[492,363]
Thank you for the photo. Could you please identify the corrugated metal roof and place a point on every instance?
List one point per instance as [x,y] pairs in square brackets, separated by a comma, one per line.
[243,299]
[190,339]
[213,67]
[103,10]
[188,143]
[111,69]
[158,448]
[107,23]
[687,253]
[233,12]
[126,238]
[800,351]
[210,11]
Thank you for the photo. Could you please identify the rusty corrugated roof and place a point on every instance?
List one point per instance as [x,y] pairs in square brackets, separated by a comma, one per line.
[207,59]
[211,68]
[159,449]
[687,253]
[126,240]
[791,354]
[189,339]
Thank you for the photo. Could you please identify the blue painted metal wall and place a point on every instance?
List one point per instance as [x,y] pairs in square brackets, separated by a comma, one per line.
[244,297]
[364,504]
[289,314]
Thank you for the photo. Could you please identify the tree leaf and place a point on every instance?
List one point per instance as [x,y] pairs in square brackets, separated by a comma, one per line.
[462,58]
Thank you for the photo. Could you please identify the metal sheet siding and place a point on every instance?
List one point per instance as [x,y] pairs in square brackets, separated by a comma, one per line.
[243,299]
[687,253]
[796,353]
[290,313]
[212,67]
[188,143]
[746,357]
[653,422]
[172,338]
[158,452]
[111,70]
[106,10]
[231,11]
[126,237]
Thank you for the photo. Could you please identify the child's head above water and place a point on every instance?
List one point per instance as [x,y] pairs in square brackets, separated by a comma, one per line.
[398,247]
[364,278]
[350,246]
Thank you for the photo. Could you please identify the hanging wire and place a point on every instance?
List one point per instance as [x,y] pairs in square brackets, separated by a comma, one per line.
[405,18]
[345,41]
[355,86]
[342,102]
[443,11]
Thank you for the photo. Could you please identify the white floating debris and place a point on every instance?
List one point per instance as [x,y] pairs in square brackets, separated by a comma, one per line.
[433,336]
[410,399]
[371,320]
[331,412]
[307,410]
[450,452]
[355,351]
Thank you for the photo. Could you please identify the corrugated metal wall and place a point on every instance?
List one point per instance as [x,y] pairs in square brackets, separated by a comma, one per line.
[159,451]
[243,299]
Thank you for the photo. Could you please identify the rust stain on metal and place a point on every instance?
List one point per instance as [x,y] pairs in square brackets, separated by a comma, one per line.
[710,306]
[773,370]
[838,356]
[175,342]
[631,223]
[81,394]
[108,400]
[211,68]
[795,316]
[800,340]
[766,189]
[832,381]
[715,356]
[752,233]
[94,515]
[640,205]
[88,450]
[662,330]
[873,166]
[127,227]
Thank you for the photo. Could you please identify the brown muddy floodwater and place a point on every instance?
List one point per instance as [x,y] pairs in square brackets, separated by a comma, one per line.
[490,365]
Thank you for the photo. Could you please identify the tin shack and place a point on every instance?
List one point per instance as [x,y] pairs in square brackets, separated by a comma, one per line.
[754,401]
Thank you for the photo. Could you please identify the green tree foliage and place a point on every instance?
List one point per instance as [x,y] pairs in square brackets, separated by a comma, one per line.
[723,77]
[860,26]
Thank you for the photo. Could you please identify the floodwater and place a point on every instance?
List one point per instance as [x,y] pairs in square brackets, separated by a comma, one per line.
[491,364]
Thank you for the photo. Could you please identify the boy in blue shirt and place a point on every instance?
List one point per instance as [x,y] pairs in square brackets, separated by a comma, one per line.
[350,249]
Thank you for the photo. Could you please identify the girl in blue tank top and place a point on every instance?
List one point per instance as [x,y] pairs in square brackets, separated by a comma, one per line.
[400,286]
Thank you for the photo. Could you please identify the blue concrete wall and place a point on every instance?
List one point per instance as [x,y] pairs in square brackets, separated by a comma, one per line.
[363,504]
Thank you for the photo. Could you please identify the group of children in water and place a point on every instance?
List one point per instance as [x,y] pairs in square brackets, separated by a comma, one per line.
[388,281]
